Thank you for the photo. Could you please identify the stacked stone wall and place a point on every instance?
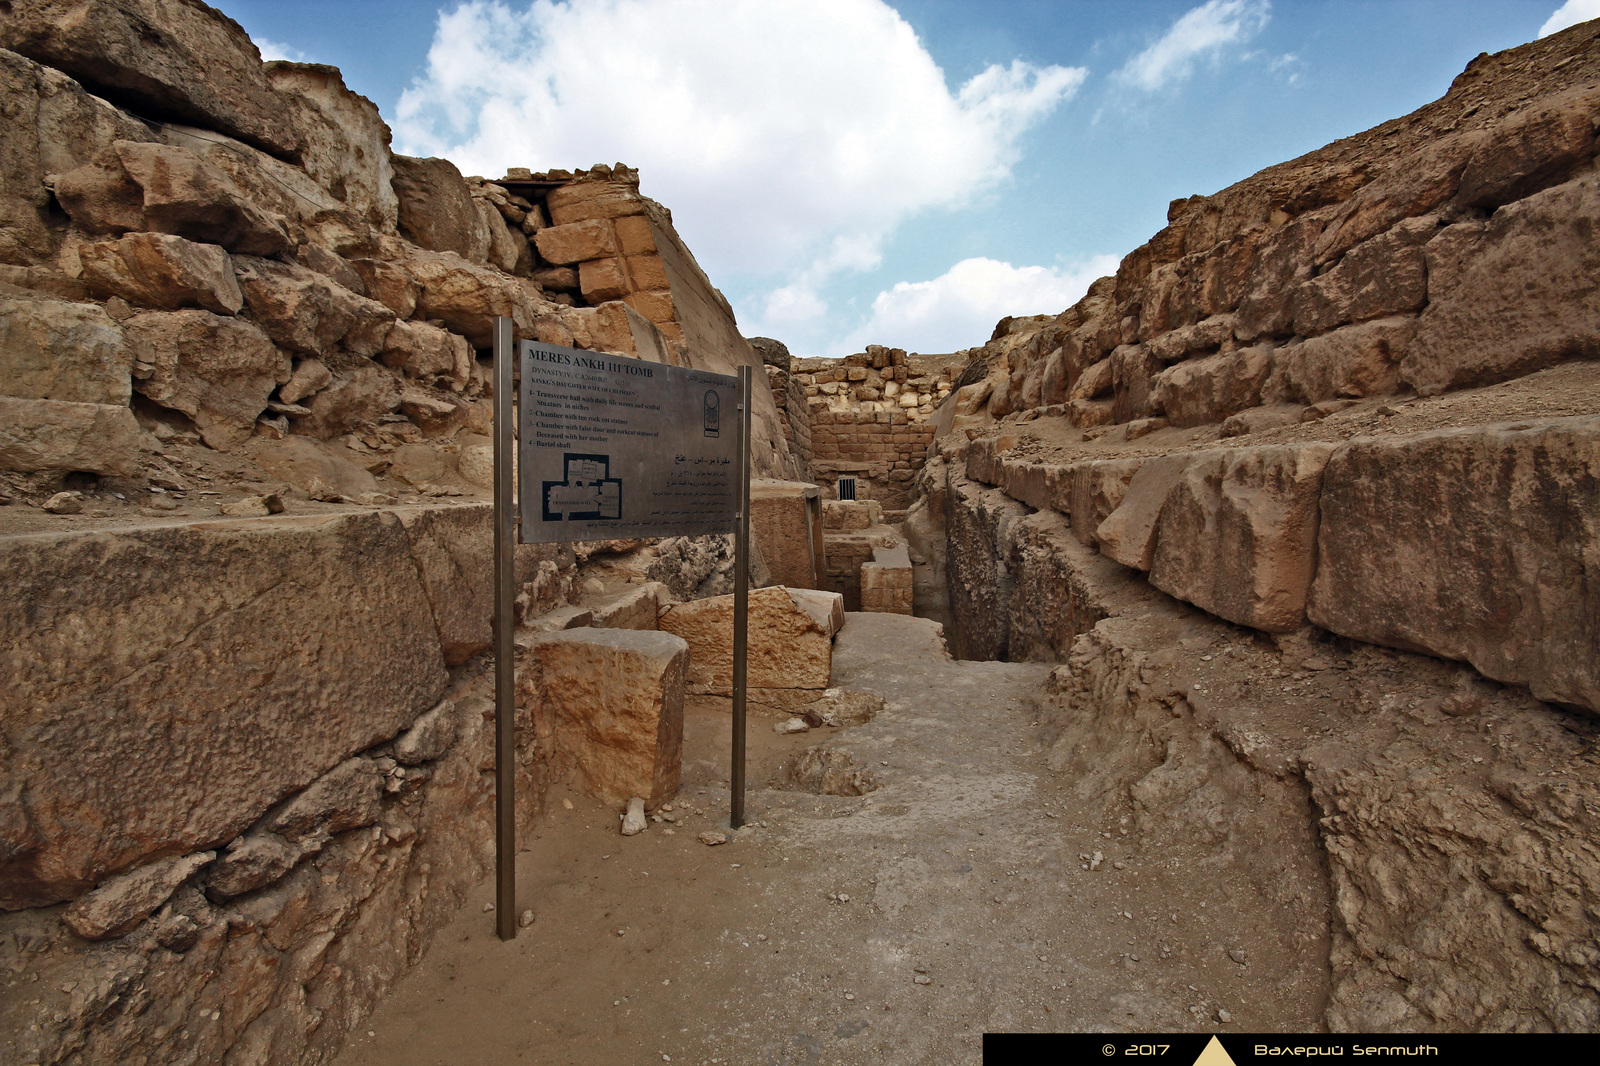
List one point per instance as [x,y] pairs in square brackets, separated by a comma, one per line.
[884,450]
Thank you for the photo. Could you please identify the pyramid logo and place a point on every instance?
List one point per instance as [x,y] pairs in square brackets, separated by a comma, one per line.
[1214,1054]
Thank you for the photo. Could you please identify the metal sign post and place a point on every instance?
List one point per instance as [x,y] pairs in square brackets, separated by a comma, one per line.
[505,666]
[608,447]
[741,602]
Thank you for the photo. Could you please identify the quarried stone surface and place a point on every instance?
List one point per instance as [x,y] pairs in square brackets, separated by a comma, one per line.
[611,701]
[788,649]
[162,271]
[1477,544]
[780,522]
[312,645]
[218,371]
[55,350]
[48,436]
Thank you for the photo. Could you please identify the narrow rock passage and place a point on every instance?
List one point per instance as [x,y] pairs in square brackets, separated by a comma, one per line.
[896,926]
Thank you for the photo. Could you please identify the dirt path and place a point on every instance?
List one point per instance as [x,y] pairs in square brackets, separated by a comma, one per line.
[892,927]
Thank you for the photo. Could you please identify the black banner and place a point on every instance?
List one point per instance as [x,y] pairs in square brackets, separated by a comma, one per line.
[1237,1049]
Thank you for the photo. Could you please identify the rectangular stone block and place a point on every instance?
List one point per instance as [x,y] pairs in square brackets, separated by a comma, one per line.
[1237,534]
[1477,544]
[49,436]
[612,703]
[646,272]
[602,279]
[164,687]
[780,523]
[576,242]
[788,648]
[593,199]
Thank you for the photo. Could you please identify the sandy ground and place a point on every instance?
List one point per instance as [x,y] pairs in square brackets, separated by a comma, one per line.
[897,926]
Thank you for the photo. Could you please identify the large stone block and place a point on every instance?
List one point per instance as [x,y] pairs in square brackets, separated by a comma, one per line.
[51,126]
[165,687]
[1383,276]
[1091,492]
[788,648]
[71,352]
[577,242]
[1237,534]
[218,371]
[612,703]
[1128,532]
[781,524]
[305,311]
[435,210]
[467,297]
[1478,544]
[344,142]
[593,199]
[139,186]
[1351,362]
[1511,295]
[1202,391]
[171,58]
[49,436]
[313,467]
[602,279]
[162,271]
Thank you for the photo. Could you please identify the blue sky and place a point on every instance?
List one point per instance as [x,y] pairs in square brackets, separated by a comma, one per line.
[855,171]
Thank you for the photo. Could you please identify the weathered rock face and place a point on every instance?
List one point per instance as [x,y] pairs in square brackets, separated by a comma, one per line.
[229,604]
[162,271]
[34,333]
[611,701]
[218,371]
[1471,544]
[52,436]
[344,142]
[143,54]
[435,210]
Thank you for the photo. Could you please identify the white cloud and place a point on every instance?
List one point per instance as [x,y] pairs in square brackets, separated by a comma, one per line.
[959,308]
[1570,14]
[271,50]
[789,137]
[1204,31]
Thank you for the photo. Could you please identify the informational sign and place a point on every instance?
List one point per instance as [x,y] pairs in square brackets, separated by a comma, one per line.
[611,447]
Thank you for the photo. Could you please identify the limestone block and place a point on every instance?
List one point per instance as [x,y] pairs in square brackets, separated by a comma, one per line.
[429,354]
[71,352]
[638,608]
[251,861]
[646,272]
[332,265]
[602,279]
[577,242]
[147,52]
[310,376]
[1478,544]
[1384,276]
[312,466]
[344,142]
[780,523]
[1237,534]
[1086,414]
[612,700]
[1133,369]
[52,126]
[558,279]
[1282,263]
[1510,295]
[788,649]
[1202,391]
[1128,532]
[304,311]
[124,901]
[434,209]
[50,436]
[1088,493]
[389,284]
[218,371]
[162,271]
[266,651]
[508,250]
[825,608]
[634,237]
[1532,148]
[468,297]
[1351,362]
[886,582]
[593,199]
[131,185]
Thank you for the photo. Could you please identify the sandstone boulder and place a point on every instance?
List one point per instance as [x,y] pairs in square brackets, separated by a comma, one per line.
[1511,295]
[124,901]
[49,436]
[612,702]
[139,186]
[304,311]
[788,649]
[1237,534]
[434,209]
[313,643]
[344,142]
[146,53]
[1475,544]
[71,352]
[162,271]
[218,371]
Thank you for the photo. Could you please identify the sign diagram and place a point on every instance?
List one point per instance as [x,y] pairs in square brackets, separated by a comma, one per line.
[588,494]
